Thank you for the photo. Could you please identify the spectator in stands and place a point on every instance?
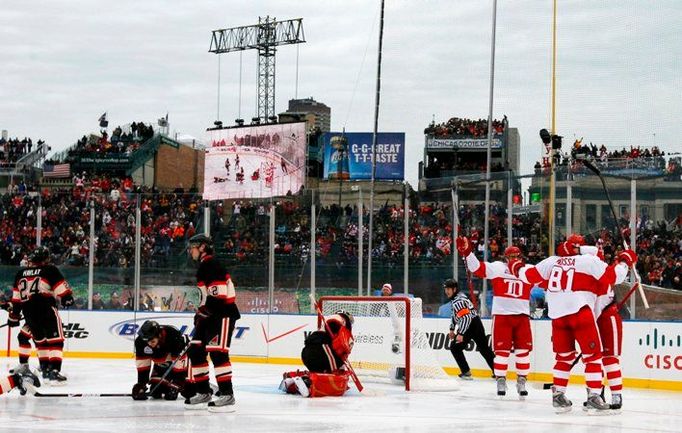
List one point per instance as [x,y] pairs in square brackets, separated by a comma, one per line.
[97,302]
[114,302]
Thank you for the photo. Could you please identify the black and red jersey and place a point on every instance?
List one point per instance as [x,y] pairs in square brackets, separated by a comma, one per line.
[39,284]
[217,290]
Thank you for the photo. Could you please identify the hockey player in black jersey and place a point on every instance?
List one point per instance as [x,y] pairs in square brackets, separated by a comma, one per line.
[35,293]
[214,324]
[156,348]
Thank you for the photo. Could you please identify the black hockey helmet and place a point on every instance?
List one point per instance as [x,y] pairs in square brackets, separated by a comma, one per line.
[149,329]
[347,315]
[202,239]
[451,283]
[40,255]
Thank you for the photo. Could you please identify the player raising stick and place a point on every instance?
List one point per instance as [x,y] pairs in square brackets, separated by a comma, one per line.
[324,355]
[511,315]
[573,284]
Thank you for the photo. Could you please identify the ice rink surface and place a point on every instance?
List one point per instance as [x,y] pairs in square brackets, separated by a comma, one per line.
[261,407]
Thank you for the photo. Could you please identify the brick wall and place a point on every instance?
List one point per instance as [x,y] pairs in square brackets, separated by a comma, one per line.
[182,165]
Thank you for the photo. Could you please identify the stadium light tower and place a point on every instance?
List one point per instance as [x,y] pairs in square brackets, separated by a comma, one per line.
[264,37]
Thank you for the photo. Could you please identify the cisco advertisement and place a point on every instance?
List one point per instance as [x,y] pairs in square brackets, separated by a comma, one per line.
[348,156]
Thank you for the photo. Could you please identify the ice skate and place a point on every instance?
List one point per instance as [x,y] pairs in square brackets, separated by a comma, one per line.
[466,376]
[560,402]
[521,387]
[19,369]
[595,405]
[26,381]
[55,378]
[222,403]
[501,386]
[197,401]
[616,402]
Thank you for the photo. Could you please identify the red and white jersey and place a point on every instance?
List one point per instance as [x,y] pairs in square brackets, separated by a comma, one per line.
[510,294]
[606,295]
[572,282]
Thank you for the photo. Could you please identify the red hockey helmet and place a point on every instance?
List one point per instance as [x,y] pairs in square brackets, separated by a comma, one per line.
[512,251]
[576,240]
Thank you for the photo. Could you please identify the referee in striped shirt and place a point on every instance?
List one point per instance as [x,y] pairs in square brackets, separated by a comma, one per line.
[469,327]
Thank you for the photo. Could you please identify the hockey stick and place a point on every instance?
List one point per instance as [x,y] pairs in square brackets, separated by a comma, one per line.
[638,280]
[83,394]
[170,368]
[346,363]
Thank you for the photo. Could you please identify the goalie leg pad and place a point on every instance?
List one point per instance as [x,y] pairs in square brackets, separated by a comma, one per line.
[328,385]
[288,385]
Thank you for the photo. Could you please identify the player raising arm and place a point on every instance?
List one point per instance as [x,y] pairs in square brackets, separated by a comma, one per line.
[511,315]
[573,284]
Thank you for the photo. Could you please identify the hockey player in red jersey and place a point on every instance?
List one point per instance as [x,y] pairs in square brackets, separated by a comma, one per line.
[324,355]
[156,348]
[35,293]
[214,324]
[573,283]
[510,312]
[610,326]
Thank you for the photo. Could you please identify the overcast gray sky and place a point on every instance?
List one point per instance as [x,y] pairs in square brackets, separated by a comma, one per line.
[63,63]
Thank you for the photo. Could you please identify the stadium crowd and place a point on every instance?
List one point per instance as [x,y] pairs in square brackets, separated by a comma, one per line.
[167,220]
[123,139]
[12,149]
[465,128]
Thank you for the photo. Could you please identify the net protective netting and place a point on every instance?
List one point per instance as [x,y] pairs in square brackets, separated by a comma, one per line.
[391,343]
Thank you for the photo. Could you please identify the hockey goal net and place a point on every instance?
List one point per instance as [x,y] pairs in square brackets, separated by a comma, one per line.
[391,342]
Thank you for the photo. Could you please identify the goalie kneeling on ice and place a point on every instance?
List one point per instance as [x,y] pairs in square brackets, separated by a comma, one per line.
[310,384]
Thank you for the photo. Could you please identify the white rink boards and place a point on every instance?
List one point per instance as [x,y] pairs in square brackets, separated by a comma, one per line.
[262,408]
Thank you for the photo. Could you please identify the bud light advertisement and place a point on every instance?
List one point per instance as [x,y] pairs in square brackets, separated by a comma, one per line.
[348,156]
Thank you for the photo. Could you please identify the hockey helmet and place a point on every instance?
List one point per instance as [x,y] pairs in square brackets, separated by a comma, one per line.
[576,240]
[202,239]
[40,255]
[512,251]
[387,288]
[451,283]
[149,329]
[347,315]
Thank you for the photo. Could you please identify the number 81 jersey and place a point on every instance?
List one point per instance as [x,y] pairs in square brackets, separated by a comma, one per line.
[573,282]
[510,295]
[41,282]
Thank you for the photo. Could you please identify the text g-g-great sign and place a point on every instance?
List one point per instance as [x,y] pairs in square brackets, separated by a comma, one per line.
[390,155]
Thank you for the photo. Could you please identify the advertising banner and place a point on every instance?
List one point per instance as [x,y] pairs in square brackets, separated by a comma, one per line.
[461,143]
[255,161]
[349,155]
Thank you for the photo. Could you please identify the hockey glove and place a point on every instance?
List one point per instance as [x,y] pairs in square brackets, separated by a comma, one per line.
[139,391]
[68,301]
[463,246]
[201,314]
[515,266]
[13,320]
[7,306]
[628,257]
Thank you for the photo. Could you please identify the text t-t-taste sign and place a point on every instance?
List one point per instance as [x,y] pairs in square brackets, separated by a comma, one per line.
[390,153]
